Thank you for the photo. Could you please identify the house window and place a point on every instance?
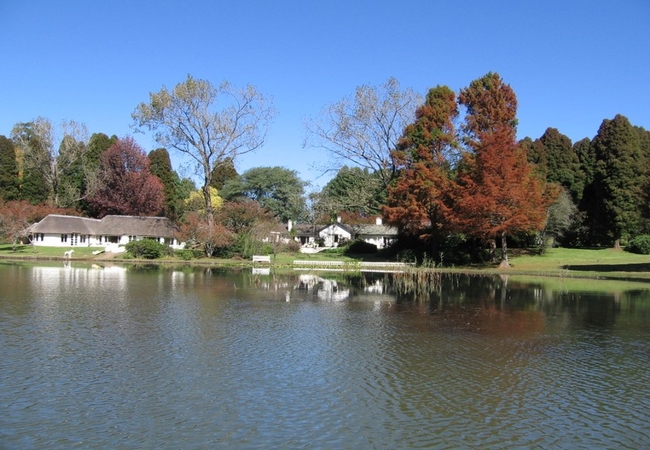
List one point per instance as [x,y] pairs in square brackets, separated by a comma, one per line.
[82,239]
[112,239]
[64,238]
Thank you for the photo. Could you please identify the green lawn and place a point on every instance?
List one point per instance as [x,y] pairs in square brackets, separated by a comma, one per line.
[29,251]
[583,260]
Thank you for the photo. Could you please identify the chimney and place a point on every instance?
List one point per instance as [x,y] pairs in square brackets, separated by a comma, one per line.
[338,219]
[378,221]
[289,225]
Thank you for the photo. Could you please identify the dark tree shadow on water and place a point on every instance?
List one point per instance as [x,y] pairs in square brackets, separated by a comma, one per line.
[640,267]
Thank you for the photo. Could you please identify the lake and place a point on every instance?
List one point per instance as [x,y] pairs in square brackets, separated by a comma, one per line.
[154,357]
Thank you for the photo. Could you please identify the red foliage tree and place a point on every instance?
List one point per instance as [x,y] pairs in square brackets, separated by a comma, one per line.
[16,216]
[129,188]
[199,231]
[419,201]
[499,194]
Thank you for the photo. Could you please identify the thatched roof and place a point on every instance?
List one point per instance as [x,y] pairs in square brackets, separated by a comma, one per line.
[136,226]
[55,223]
[108,226]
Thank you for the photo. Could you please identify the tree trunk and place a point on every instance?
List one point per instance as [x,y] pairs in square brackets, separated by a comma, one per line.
[617,244]
[209,212]
[493,250]
[504,252]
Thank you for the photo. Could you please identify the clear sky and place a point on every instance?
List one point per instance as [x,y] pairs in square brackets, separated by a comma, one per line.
[572,63]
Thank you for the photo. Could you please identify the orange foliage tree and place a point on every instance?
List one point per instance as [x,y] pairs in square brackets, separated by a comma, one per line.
[419,201]
[498,193]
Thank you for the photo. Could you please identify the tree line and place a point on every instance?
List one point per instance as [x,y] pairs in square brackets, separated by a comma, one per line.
[446,169]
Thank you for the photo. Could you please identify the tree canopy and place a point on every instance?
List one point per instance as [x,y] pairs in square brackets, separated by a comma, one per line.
[129,187]
[161,166]
[207,123]
[50,153]
[499,193]
[9,187]
[363,129]
[278,189]
[620,175]
[419,202]
[353,190]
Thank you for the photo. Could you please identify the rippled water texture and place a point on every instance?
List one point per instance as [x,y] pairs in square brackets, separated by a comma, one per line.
[98,357]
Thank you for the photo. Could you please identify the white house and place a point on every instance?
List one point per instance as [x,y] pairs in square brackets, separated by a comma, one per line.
[378,234]
[69,231]
[337,233]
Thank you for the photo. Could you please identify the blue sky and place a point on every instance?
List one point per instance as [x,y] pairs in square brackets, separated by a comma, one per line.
[571,63]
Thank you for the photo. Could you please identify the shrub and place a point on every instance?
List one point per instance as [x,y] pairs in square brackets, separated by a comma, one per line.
[640,245]
[292,246]
[186,254]
[147,249]
[360,247]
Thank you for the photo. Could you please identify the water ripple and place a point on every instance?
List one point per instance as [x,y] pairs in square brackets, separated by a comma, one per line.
[214,365]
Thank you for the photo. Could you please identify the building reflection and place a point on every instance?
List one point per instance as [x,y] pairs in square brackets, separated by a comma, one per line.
[325,289]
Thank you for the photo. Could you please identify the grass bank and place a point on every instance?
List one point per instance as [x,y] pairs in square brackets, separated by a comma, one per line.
[604,263]
[588,263]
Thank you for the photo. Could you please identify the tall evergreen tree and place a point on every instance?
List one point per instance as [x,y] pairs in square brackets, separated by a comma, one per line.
[34,188]
[562,163]
[619,178]
[585,153]
[8,170]
[536,154]
[161,166]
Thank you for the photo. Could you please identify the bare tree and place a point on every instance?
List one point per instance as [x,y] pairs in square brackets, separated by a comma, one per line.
[209,124]
[363,129]
[51,152]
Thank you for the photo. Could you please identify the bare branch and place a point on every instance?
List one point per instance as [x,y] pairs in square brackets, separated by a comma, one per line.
[363,130]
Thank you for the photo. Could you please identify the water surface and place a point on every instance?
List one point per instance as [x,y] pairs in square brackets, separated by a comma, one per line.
[96,357]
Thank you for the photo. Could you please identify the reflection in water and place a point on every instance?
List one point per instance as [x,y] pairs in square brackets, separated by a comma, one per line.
[326,289]
[151,357]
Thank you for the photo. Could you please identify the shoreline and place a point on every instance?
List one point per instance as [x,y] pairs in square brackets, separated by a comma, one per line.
[559,273]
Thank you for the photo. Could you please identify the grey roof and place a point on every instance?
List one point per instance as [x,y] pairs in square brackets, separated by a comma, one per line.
[354,230]
[304,230]
[137,226]
[55,223]
[347,228]
[375,230]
